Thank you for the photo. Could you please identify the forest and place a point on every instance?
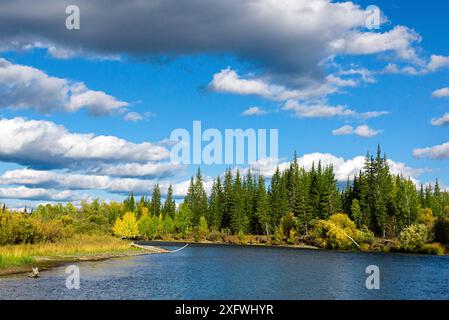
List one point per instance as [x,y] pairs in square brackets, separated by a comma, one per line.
[375,210]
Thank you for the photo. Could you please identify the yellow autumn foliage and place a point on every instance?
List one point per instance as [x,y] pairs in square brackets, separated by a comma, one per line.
[127,226]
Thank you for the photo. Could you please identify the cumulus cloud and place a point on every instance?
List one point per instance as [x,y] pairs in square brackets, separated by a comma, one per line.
[307,31]
[435,152]
[54,180]
[399,40]
[141,170]
[304,103]
[363,131]
[304,110]
[254,111]
[24,87]
[345,130]
[442,121]
[22,192]
[45,144]
[434,64]
[227,80]
[343,168]
[438,62]
[135,116]
[441,93]
[366,132]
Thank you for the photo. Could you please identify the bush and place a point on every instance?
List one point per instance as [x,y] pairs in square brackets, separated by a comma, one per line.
[203,228]
[292,237]
[441,230]
[127,227]
[288,223]
[365,247]
[433,248]
[242,238]
[16,228]
[364,236]
[414,237]
[232,239]
[278,237]
[335,232]
[426,217]
[214,236]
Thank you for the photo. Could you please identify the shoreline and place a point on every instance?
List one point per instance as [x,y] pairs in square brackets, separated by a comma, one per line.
[45,263]
[48,262]
[301,246]
[206,242]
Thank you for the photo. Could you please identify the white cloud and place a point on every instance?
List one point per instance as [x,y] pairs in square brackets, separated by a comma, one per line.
[363,131]
[303,103]
[142,170]
[372,114]
[340,82]
[441,93]
[343,168]
[399,40]
[316,110]
[366,132]
[438,62]
[442,121]
[345,130]
[44,143]
[435,152]
[227,80]
[434,64]
[22,192]
[364,74]
[39,179]
[24,87]
[254,111]
[133,116]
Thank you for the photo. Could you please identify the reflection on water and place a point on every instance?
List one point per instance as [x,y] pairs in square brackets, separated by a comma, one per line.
[230,272]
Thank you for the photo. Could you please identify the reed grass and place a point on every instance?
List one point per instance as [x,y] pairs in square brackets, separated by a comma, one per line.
[14,255]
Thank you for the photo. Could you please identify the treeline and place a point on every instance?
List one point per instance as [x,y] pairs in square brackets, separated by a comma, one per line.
[376,199]
[295,206]
[300,206]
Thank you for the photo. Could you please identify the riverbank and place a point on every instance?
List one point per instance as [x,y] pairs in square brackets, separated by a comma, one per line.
[21,258]
[378,245]
[222,243]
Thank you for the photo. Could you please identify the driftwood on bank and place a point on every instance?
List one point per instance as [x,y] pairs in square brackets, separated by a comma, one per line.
[151,249]
[34,273]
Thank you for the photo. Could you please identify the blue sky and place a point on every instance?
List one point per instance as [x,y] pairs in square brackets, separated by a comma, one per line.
[174,71]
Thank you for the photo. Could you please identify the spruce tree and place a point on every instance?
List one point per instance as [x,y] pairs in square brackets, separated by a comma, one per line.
[155,208]
[169,204]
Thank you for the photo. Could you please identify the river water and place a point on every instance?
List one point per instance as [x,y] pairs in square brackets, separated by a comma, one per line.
[233,272]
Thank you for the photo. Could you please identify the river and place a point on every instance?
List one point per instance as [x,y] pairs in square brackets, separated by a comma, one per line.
[235,272]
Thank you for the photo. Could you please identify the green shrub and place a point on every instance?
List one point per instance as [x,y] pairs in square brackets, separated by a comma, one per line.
[278,237]
[242,237]
[433,248]
[441,230]
[414,237]
[365,247]
[214,236]
[335,232]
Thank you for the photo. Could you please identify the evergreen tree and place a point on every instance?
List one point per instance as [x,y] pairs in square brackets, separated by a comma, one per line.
[227,199]
[239,219]
[263,207]
[216,206]
[170,204]
[155,207]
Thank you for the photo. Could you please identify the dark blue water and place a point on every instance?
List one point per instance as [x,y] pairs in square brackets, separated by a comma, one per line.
[230,272]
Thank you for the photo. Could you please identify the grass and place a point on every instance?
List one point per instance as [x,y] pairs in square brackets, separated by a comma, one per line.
[78,245]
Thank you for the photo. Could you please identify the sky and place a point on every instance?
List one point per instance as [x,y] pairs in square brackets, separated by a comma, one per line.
[88,112]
